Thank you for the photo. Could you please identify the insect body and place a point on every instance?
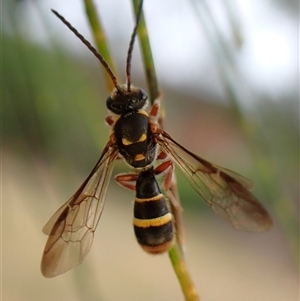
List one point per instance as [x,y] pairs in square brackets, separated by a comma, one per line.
[136,136]
[153,221]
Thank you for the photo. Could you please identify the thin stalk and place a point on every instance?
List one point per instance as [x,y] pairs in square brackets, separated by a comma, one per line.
[99,39]
[176,255]
[182,273]
[147,55]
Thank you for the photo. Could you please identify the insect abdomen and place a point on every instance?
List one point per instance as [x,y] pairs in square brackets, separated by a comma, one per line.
[153,221]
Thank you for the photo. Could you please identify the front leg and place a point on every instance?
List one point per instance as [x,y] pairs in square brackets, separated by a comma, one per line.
[155,108]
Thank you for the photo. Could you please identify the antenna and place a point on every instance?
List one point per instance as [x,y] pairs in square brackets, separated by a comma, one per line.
[131,43]
[91,48]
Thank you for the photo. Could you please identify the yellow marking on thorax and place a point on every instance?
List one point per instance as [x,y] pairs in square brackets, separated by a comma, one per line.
[139,157]
[128,142]
[153,222]
[154,198]
[142,138]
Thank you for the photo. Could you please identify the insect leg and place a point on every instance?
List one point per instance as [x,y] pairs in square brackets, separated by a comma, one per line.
[167,168]
[127,180]
[110,120]
[161,156]
[173,196]
[155,108]
[171,192]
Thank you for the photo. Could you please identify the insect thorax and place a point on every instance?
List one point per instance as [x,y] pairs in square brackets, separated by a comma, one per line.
[134,139]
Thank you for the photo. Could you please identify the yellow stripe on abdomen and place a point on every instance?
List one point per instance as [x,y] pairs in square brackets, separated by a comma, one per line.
[153,222]
[154,198]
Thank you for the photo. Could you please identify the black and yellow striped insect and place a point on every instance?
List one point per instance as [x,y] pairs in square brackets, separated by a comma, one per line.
[137,137]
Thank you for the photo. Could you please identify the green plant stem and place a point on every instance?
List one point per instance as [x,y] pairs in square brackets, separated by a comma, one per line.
[100,39]
[176,255]
[148,62]
[182,273]
[147,55]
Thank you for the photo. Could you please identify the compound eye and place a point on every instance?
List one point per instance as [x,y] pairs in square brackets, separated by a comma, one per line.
[140,99]
[113,106]
[143,96]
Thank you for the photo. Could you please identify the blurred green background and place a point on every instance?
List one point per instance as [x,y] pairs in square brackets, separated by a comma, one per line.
[53,131]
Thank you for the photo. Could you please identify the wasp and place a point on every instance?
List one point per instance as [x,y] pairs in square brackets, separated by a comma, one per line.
[137,137]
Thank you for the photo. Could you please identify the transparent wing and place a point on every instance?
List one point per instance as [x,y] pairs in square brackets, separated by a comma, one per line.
[224,190]
[71,228]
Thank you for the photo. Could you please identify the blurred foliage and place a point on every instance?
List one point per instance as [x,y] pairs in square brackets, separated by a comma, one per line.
[270,125]
[53,109]
[274,137]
